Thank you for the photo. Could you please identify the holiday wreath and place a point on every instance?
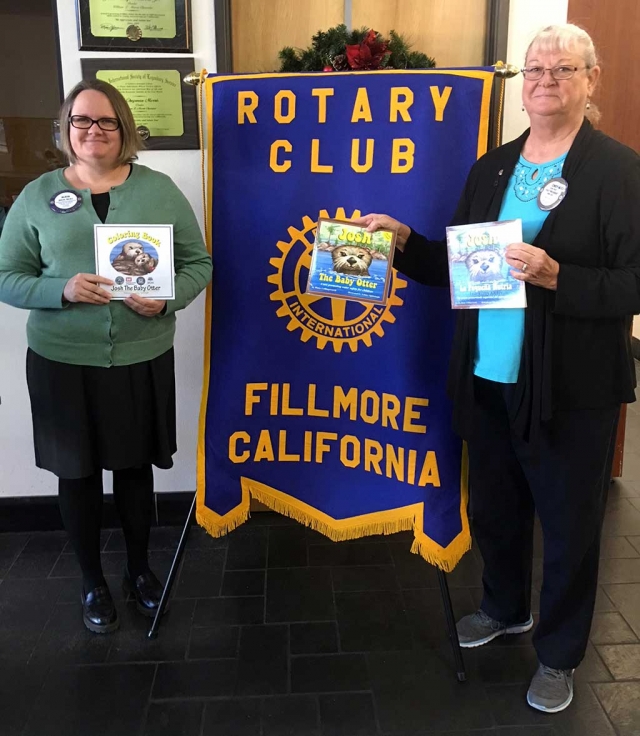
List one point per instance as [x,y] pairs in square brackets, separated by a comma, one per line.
[339,49]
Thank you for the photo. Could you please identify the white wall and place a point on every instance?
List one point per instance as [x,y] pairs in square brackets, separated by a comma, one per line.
[18,476]
[526,17]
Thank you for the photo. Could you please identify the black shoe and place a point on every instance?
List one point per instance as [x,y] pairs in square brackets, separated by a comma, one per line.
[147,590]
[98,610]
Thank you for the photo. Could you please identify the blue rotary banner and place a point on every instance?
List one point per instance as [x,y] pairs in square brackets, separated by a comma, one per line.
[333,412]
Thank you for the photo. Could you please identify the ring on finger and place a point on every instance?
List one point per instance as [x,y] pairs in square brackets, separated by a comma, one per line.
[524,267]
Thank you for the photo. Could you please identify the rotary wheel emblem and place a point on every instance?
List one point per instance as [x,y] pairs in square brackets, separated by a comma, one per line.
[326,320]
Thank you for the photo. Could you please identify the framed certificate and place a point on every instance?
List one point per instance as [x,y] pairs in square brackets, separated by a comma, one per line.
[134,25]
[137,258]
[163,107]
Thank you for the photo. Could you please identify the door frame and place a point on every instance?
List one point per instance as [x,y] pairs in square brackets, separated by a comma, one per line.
[495,42]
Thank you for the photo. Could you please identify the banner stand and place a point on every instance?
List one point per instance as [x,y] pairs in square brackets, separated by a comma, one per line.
[175,565]
[502,71]
[461,672]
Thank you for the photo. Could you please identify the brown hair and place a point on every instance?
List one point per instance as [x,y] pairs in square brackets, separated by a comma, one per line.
[131,141]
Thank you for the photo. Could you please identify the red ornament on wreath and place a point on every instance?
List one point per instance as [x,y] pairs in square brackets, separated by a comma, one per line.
[327,68]
[370,54]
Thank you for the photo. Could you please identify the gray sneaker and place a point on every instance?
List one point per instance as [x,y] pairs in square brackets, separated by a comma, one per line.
[478,628]
[551,690]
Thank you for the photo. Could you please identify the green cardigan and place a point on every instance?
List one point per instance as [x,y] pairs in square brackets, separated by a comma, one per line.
[40,250]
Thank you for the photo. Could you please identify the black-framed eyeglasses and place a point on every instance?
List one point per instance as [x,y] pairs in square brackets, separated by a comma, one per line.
[534,73]
[82,122]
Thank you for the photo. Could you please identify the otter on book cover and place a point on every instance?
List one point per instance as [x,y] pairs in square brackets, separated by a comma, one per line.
[137,258]
[478,271]
[347,262]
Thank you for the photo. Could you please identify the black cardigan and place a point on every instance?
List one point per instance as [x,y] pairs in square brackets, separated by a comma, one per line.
[577,349]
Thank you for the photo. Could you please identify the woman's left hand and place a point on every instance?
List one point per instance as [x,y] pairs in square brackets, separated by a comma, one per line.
[533,265]
[145,307]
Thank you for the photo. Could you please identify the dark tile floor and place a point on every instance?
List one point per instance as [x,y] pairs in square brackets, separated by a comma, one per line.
[275,631]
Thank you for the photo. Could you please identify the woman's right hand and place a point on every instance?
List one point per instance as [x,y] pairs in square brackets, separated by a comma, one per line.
[84,287]
[373,222]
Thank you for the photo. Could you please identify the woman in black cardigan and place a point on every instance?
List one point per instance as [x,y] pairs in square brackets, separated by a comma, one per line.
[537,392]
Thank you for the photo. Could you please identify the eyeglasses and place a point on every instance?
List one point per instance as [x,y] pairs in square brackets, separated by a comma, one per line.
[84,123]
[534,73]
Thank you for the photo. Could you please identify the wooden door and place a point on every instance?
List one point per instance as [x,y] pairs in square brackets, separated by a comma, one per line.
[453,32]
[260,29]
[29,95]
[615,28]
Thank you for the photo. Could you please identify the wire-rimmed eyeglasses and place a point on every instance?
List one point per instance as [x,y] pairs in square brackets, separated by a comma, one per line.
[534,73]
[84,123]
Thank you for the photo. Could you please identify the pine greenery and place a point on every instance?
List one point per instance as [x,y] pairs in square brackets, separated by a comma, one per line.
[328,50]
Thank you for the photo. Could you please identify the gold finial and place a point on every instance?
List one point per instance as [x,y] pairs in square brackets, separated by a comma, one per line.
[505,70]
[193,78]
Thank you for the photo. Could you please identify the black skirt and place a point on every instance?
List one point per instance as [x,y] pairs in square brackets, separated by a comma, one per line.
[87,418]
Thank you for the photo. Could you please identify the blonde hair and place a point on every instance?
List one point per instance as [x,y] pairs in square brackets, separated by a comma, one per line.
[131,141]
[572,39]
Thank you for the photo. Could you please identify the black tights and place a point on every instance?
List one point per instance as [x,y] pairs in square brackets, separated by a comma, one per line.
[81,510]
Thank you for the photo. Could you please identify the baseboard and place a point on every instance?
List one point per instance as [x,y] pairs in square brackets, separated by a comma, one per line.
[635,347]
[41,514]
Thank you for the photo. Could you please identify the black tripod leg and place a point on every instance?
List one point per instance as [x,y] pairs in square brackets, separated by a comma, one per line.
[153,631]
[451,626]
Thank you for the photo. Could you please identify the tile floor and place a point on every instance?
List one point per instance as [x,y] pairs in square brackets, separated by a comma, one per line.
[275,631]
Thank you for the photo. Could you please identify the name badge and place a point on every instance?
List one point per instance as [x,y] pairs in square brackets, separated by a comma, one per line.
[66,201]
[552,193]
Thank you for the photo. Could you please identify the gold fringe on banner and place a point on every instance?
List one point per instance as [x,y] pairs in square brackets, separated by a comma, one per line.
[227,523]
[406,518]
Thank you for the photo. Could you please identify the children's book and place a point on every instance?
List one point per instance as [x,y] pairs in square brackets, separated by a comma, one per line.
[479,273]
[349,263]
[137,258]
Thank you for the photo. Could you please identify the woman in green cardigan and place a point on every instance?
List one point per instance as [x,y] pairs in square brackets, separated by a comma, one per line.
[100,372]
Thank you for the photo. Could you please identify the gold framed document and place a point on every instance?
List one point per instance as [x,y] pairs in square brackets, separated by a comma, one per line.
[134,25]
[163,107]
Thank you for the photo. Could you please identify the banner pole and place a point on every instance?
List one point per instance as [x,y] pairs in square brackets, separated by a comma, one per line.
[175,565]
[504,72]
[196,79]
